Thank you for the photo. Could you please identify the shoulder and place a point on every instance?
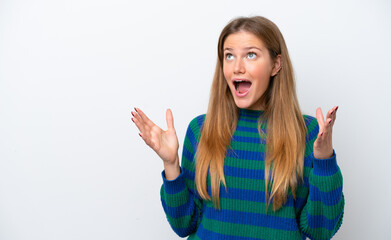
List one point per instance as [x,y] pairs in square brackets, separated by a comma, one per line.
[198,121]
[195,126]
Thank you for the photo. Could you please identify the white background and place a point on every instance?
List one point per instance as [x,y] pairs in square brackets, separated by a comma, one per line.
[72,165]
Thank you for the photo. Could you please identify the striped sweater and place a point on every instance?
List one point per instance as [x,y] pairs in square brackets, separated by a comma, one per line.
[316,212]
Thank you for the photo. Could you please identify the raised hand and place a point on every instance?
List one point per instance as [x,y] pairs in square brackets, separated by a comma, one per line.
[323,146]
[164,143]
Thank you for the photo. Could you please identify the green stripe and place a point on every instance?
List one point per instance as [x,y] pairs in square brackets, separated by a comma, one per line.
[175,200]
[182,222]
[256,207]
[246,146]
[243,163]
[242,230]
[327,183]
[327,211]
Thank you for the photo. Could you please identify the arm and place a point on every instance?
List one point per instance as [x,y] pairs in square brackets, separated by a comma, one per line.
[322,215]
[179,198]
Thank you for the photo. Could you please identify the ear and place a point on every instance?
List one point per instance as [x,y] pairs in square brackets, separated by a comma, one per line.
[277,65]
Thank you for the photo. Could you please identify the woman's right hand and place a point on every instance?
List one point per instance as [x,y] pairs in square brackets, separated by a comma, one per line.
[164,143]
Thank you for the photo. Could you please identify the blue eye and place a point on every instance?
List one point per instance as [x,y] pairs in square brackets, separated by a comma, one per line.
[229,56]
[251,55]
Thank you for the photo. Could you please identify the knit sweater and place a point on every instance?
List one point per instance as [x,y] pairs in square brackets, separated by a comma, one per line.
[316,212]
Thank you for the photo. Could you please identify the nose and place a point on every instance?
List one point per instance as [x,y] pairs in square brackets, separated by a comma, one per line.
[239,67]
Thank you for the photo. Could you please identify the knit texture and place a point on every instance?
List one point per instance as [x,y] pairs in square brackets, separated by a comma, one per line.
[316,212]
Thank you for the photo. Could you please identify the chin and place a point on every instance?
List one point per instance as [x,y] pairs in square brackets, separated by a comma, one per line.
[241,104]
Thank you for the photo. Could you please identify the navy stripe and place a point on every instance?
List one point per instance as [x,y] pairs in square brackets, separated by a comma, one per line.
[254,219]
[204,233]
[253,195]
[200,120]
[249,120]
[244,172]
[187,154]
[327,198]
[246,155]
[188,174]
[191,137]
[180,211]
[248,139]
[247,129]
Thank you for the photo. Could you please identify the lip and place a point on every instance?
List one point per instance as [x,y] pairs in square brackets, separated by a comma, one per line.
[236,92]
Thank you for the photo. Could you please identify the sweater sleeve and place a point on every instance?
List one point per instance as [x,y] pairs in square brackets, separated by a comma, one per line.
[181,203]
[322,214]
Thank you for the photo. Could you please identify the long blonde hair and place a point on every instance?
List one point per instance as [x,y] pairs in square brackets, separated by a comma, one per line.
[286,130]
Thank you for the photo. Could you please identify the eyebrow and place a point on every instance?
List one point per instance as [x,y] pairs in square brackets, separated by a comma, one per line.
[247,48]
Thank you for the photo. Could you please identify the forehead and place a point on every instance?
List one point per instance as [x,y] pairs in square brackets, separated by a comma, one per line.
[241,40]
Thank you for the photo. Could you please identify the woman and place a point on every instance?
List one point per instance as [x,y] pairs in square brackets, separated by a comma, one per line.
[253,167]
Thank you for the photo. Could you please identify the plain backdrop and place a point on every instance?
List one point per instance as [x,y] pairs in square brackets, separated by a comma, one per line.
[72,165]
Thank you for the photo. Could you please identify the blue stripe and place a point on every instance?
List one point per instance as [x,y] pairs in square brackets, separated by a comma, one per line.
[254,196]
[247,129]
[322,221]
[248,139]
[188,174]
[245,155]
[308,161]
[200,120]
[249,120]
[204,233]
[254,219]
[328,198]
[191,137]
[186,209]
[185,231]
[244,173]
[187,154]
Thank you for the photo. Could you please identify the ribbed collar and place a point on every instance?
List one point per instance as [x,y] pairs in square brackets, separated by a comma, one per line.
[255,114]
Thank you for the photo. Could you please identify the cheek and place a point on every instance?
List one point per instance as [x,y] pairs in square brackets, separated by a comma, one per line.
[226,73]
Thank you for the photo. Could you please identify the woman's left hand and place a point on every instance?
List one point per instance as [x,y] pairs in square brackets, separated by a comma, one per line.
[323,146]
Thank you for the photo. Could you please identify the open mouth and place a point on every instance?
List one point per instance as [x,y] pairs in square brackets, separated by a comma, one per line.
[242,86]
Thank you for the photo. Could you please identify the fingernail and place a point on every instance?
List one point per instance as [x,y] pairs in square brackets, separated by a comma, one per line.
[140,134]
[135,109]
[331,114]
[321,134]
[132,114]
[329,122]
[132,120]
[336,108]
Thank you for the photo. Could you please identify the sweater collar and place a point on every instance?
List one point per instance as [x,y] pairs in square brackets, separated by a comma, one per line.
[254,114]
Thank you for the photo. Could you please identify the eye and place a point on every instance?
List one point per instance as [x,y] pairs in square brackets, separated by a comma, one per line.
[251,55]
[229,56]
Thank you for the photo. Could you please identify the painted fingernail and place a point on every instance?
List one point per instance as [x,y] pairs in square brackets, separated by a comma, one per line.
[321,134]
[135,109]
[132,114]
[140,135]
[132,120]
[331,114]
[336,108]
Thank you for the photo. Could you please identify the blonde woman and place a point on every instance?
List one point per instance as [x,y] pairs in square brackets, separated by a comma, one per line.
[253,167]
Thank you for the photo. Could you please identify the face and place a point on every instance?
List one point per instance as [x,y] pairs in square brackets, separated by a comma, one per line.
[247,68]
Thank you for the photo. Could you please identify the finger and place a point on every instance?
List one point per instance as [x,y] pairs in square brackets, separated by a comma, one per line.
[138,117]
[144,117]
[169,119]
[138,121]
[332,115]
[319,117]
